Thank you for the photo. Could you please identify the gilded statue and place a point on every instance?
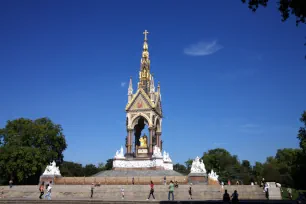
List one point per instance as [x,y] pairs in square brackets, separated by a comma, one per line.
[143,141]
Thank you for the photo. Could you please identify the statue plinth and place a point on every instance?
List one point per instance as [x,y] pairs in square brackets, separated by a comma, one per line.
[197,178]
[142,151]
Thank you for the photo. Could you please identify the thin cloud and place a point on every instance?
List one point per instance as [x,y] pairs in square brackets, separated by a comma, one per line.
[123,84]
[203,48]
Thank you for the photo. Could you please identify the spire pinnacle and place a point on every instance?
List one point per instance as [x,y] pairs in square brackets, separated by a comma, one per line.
[130,89]
[144,74]
[145,34]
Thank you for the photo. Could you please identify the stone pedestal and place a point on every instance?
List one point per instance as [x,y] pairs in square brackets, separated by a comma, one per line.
[197,178]
[48,178]
[213,182]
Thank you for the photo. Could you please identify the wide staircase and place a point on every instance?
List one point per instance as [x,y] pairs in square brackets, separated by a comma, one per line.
[132,192]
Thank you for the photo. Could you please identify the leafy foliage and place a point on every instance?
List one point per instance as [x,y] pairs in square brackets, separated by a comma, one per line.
[286,8]
[72,169]
[180,168]
[27,146]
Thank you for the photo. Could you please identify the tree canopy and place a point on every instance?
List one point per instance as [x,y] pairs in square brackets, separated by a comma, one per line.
[27,146]
[285,7]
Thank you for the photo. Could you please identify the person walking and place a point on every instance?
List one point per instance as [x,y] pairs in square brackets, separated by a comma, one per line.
[222,187]
[234,196]
[122,193]
[267,192]
[11,183]
[42,189]
[226,197]
[151,191]
[165,180]
[48,194]
[92,190]
[289,193]
[133,181]
[171,190]
[190,191]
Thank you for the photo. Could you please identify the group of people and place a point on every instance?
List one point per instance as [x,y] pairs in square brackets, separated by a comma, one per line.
[227,197]
[47,188]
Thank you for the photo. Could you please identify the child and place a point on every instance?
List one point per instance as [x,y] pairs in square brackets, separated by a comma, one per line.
[122,193]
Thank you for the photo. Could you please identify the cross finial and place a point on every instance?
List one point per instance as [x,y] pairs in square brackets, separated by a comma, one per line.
[145,34]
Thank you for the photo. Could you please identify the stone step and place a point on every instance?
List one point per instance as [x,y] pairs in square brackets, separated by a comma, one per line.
[113,192]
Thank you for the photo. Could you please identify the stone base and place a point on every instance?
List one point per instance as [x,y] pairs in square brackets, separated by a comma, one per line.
[142,164]
[213,182]
[197,178]
[48,178]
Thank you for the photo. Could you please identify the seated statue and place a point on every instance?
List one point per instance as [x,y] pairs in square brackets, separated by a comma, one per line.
[143,141]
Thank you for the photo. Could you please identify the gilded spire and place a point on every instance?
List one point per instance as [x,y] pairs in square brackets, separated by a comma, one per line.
[144,74]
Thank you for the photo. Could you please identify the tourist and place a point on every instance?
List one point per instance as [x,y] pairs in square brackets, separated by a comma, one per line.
[267,191]
[229,182]
[48,194]
[171,190]
[2,193]
[11,183]
[235,197]
[190,191]
[176,184]
[237,182]
[226,197]
[222,186]
[289,193]
[301,199]
[165,180]
[133,180]
[122,193]
[92,189]
[42,189]
[151,191]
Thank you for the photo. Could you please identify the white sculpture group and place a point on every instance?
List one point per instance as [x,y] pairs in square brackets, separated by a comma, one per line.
[119,154]
[52,170]
[156,152]
[213,175]
[166,157]
[158,160]
[198,166]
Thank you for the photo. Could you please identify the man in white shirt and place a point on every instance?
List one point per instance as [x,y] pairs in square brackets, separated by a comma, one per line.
[48,195]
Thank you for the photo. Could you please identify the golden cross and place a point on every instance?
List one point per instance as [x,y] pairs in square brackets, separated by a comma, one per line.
[145,34]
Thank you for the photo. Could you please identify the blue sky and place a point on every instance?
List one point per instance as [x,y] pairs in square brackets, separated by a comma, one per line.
[229,78]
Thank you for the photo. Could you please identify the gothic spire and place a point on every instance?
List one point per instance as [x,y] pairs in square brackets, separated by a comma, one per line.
[144,74]
[130,90]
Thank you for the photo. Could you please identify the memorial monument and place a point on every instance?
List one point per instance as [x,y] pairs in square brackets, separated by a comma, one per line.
[143,110]
[198,173]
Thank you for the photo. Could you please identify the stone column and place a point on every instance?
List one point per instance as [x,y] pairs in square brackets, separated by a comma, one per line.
[158,134]
[129,149]
[151,129]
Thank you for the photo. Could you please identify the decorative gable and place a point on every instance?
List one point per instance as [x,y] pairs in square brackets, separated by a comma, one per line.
[140,101]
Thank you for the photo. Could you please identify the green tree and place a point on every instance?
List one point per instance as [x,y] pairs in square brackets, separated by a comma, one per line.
[221,161]
[301,160]
[71,169]
[90,170]
[257,171]
[109,164]
[188,164]
[27,146]
[286,8]
[180,168]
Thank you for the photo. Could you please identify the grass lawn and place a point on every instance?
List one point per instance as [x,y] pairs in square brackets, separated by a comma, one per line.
[295,193]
